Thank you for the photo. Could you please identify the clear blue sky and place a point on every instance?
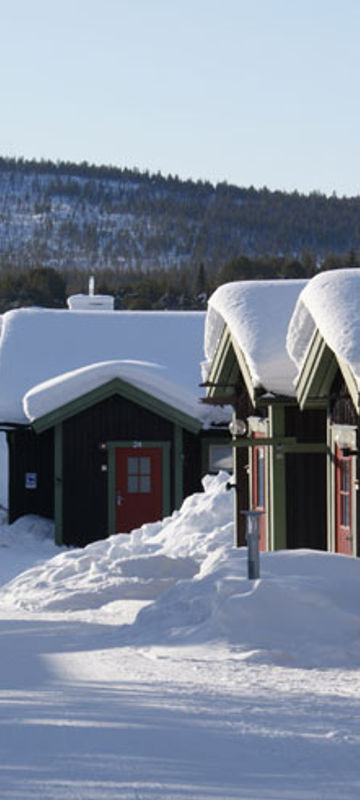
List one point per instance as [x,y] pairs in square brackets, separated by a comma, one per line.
[254,92]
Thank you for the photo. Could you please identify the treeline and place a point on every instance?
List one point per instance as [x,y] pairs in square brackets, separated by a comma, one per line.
[78,216]
[85,170]
[176,288]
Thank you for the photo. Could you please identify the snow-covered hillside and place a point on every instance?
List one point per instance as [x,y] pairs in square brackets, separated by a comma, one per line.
[148,666]
[70,216]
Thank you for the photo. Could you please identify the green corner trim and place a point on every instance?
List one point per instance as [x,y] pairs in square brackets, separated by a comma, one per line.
[229,363]
[124,389]
[111,448]
[277,488]
[317,374]
[58,489]
[245,372]
[111,487]
[179,466]
[224,370]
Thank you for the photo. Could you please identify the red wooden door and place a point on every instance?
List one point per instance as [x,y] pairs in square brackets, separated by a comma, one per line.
[258,479]
[138,487]
[343,503]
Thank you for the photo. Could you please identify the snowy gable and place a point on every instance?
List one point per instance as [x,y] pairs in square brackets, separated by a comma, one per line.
[330,303]
[39,345]
[65,388]
[257,314]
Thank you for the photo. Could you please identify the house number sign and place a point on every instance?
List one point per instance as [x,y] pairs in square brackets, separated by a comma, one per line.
[30,480]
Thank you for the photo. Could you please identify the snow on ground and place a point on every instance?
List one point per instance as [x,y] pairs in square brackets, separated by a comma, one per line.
[148,666]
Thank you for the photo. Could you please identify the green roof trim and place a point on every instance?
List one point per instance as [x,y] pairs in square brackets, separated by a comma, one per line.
[317,374]
[228,364]
[224,369]
[124,389]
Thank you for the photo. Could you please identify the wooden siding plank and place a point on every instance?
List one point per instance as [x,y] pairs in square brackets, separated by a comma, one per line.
[58,488]
[117,386]
[178,466]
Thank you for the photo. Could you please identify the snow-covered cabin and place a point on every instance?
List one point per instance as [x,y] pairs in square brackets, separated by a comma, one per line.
[280,457]
[324,343]
[104,427]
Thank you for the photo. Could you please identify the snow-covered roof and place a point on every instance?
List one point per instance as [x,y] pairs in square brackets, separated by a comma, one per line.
[66,387]
[257,314]
[158,351]
[330,303]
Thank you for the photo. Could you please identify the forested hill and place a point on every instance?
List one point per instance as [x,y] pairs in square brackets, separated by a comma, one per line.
[79,216]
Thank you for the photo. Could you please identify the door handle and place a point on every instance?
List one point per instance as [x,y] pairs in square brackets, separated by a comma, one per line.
[118,499]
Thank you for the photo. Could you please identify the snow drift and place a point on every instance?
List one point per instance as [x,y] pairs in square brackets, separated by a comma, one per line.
[194,590]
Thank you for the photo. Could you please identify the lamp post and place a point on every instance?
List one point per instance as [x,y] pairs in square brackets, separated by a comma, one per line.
[253,537]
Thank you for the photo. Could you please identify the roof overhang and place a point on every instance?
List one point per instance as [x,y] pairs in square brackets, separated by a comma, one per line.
[227,368]
[317,374]
[117,386]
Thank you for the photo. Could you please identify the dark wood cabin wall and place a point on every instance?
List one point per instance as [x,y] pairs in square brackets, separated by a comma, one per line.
[342,412]
[85,514]
[307,426]
[244,407]
[306,480]
[31,453]
[191,463]
[306,500]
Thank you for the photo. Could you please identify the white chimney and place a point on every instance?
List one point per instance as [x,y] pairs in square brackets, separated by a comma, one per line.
[91,301]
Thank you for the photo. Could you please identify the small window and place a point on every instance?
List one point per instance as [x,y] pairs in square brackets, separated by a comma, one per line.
[139,477]
[220,457]
[144,465]
[132,484]
[144,483]
[345,497]
[133,465]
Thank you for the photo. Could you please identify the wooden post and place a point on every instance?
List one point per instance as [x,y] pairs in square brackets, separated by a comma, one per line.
[241,493]
[277,481]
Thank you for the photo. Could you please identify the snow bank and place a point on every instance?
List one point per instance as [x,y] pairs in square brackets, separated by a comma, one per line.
[28,541]
[257,314]
[303,611]
[139,566]
[330,302]
[37,345]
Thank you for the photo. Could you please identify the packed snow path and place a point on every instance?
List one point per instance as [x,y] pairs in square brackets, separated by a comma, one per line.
[99,701]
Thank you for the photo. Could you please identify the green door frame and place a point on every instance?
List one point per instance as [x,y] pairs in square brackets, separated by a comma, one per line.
[343,436]
[164,446]
[165,460]
[278,445]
